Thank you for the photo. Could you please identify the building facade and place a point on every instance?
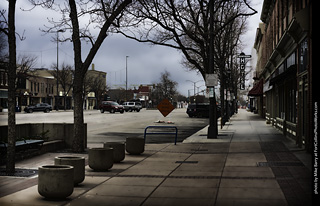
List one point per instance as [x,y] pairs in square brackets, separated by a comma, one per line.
[41,86]
[283,85]
[3,85]
[36,87]
[95,86]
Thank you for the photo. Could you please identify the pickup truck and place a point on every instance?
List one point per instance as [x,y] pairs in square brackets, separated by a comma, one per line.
[132,106]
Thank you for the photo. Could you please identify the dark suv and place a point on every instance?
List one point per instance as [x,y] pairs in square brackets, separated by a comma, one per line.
[110,106]
[44,107]
[201,110]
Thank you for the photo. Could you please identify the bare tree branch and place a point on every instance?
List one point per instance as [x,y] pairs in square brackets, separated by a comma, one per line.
[100,15]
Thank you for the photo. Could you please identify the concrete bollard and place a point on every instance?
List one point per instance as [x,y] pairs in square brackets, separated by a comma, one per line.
[118,150]
[135,145]
[55,181]
[78,164]
[100,159]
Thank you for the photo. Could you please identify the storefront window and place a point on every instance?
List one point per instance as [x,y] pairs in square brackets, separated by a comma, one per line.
[292,104]
[291,60]
[281,68]
[303,55]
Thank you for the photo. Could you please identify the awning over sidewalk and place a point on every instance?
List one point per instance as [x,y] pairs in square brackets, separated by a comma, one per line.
[257,90]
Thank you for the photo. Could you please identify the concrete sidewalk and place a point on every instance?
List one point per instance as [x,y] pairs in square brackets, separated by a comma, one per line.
[250,163]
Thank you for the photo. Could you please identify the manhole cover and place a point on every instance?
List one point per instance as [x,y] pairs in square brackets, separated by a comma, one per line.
[20,172]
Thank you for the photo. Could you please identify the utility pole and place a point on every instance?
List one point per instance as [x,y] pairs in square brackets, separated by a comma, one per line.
[57,99]
[213,126]
[127,78]
[194,87]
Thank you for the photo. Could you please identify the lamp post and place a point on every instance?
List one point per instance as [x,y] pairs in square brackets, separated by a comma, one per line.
[194,86]
[127,78]
[57,106]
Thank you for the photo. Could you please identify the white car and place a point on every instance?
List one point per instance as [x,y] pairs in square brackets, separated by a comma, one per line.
[132,106]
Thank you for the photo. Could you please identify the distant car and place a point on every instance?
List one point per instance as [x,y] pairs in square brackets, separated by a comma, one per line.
[44,107]
[132,106]
[201,110]
[111,107]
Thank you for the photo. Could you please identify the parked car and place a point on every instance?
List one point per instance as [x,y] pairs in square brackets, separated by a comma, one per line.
[44,107]
[201,110]
[132,106]
[110,106]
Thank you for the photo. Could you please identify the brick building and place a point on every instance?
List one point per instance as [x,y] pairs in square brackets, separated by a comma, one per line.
[95,87]
[3,85]
[283,82]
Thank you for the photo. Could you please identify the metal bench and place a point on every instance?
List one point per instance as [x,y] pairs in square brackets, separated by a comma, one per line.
[23,144]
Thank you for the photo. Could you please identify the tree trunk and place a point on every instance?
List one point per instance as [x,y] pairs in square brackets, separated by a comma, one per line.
[213,124]
[10,167]
[82,67]
[78,138]
[78,132]
[222,99]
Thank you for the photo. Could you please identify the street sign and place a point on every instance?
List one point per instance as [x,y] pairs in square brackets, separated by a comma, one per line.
[242,83]
[244,56]
[211,80]
[165,107]
[242,68]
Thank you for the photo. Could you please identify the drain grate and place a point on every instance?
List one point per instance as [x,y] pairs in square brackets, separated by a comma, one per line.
[20,172]
[200,150]
[188,162]
[273,147]
[280,164]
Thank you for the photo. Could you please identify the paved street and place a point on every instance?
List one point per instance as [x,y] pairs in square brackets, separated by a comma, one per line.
[250,163]
[116,127]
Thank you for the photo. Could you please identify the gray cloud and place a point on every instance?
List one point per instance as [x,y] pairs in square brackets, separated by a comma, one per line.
[145,62]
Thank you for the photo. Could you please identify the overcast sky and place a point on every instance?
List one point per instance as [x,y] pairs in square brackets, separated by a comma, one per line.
[145,62]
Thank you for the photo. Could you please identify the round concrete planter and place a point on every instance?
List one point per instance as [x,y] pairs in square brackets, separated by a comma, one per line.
[100,158]
[134,145]
[118,150]
[78,164]
[55,181]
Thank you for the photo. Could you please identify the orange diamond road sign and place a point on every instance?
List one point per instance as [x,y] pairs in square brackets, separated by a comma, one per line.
[165,107]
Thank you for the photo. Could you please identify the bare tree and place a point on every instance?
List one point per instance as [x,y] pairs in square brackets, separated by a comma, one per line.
[8,28]
[24,69]
[96,84]
[165,89]
[98,14]
[189,26]
[227,46]
[3,46]
[65,79]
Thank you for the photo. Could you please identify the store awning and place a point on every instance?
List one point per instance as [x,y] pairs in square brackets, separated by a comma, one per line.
[257,90]
[267,86]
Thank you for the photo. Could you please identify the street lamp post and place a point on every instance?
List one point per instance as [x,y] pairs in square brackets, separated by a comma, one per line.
[57,106]
[194,86]
[127,78]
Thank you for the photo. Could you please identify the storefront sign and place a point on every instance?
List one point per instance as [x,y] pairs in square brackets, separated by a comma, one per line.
[243,57]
